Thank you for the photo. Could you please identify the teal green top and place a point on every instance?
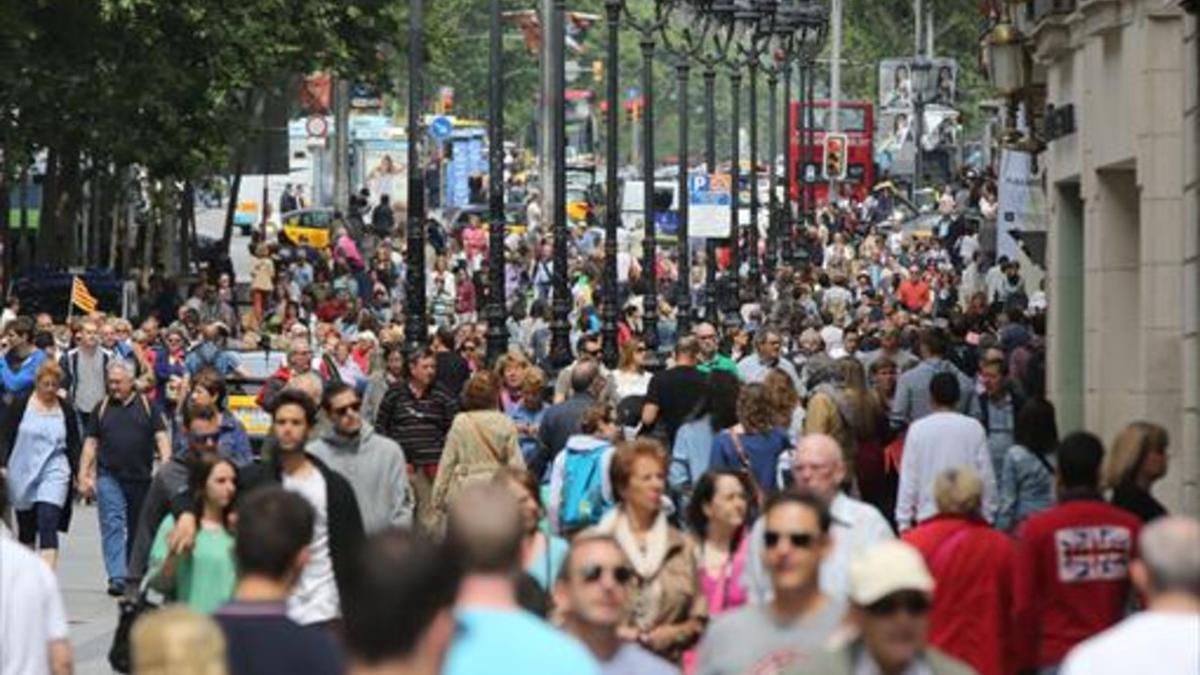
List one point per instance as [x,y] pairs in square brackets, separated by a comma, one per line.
[205,578]
[719,362]
[544,569]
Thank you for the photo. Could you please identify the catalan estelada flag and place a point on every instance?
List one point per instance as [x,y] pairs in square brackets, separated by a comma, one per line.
[81,297]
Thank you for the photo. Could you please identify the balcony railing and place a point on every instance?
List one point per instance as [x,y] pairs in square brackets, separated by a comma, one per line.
[1036,10]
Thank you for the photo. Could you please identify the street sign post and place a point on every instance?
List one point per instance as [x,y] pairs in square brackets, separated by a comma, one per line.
[710,196]
[441,127]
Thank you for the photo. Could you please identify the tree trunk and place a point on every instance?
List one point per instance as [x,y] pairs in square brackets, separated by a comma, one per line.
[187,224]
[231,209]
[60,200]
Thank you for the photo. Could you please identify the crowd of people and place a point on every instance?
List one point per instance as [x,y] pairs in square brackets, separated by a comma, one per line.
[855,471]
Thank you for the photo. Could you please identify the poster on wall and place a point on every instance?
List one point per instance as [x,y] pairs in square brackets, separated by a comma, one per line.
[896,84]
[1022,203]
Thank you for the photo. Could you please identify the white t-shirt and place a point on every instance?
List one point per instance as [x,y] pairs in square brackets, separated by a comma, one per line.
[934,443]
[1148,642]
[31,610]
[315,598]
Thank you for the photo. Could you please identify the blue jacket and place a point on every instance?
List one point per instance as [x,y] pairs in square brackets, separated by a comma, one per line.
[21,381]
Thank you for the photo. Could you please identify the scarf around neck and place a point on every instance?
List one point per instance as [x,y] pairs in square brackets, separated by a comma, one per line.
[649,560]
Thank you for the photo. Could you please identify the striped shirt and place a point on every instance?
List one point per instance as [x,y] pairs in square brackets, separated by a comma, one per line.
[418,423]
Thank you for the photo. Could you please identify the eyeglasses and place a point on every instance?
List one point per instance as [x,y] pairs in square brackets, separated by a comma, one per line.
[204,439]
[797,539]
[707,337]
[342,410]
[911,602]
[640,350]
[620,573]
[773,343]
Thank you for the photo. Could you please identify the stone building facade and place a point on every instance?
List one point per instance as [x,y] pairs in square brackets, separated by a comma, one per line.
[1123,191]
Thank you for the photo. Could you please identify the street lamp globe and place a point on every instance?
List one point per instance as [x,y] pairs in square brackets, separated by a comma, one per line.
[1007,64]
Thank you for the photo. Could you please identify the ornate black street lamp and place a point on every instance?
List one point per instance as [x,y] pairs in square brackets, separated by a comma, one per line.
[497,335]
[755,19]
[416,330]
[648,23]
[687,42]
[560,306]
[612,217]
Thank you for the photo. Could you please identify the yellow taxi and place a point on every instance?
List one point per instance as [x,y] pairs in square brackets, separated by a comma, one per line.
[308,227]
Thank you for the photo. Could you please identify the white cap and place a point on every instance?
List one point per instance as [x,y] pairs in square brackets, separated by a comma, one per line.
[886,568]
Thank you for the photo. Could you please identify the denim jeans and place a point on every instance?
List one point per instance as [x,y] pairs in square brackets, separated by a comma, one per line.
[118,503]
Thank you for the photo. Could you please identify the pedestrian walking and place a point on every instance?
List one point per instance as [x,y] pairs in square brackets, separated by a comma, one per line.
[125,436]
[373,464]
[203,576]
[272,547]
[800,619]
[40,455]
[972,566]
[592,595]
[668,612]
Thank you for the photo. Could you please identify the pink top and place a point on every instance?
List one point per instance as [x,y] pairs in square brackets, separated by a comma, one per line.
[723,591]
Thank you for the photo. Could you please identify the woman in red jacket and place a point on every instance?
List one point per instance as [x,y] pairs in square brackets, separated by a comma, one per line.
[973,567]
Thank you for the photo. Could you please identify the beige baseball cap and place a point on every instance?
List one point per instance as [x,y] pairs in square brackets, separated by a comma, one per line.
[886,568]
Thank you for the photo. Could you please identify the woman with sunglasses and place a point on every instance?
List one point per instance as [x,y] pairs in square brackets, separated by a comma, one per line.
[203,577]
[972,567]
[667,608]
[717,515]
[40,450]
[631,378]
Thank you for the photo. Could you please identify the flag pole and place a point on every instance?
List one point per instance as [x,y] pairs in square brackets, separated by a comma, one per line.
[71,300]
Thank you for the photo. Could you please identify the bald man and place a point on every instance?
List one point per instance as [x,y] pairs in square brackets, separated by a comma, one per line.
[818,466]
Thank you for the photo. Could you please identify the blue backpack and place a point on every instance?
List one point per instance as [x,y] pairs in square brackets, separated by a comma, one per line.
[583,500]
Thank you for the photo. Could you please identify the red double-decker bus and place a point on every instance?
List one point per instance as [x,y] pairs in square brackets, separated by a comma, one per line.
[857,122]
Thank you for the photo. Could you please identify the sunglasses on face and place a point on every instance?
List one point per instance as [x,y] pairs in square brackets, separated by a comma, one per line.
[914,604]
[204,439]
[620,573]
[342,410]
[797,539]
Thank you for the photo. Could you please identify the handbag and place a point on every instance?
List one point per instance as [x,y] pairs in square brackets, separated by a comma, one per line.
[760,497]
[129,611]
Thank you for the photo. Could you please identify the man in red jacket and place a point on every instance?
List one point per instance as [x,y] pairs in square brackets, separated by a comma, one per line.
[1073,561]
[973,566]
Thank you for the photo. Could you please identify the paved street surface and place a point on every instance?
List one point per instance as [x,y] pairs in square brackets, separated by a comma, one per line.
[91,613]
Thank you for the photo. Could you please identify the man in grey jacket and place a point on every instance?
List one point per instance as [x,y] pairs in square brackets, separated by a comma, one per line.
[373,464]
[912,401]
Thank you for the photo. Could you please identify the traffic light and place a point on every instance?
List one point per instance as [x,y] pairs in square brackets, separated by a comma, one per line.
[835,157]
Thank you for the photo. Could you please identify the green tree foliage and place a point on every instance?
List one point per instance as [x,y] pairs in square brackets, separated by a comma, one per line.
[162,85]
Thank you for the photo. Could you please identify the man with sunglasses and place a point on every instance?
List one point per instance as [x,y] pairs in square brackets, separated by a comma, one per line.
[890,592]
[592,592]
[168,491]
[800,619]
[587,348]
[373,463]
